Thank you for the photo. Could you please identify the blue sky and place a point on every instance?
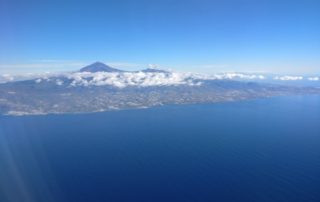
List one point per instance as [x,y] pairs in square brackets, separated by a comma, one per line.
[190,35]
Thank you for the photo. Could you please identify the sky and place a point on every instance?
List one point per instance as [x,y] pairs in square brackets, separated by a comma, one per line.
[204,36]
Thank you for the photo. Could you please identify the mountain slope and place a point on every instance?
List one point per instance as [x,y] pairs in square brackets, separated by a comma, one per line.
[99,67]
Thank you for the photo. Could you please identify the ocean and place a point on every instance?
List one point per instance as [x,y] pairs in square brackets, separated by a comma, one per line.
[256,150]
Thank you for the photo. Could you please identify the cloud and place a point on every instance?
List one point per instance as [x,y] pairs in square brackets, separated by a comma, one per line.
[145,79]
[153,66]
[288,78]
[240,76]
[26,76]
[6,78]
[125,79]
[59,82]
[139,78]
[231,76]
[314,79]
[38,80]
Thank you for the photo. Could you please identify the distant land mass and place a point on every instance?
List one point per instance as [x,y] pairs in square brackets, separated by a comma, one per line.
[99,87]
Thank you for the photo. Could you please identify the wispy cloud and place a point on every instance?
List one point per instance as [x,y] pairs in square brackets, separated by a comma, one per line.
[314,78]
[152,66]
[288,78]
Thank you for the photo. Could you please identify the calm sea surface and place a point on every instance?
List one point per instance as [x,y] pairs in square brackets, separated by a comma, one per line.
[259,150]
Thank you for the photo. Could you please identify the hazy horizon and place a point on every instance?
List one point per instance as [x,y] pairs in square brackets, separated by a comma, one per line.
[280,37]
[52,66]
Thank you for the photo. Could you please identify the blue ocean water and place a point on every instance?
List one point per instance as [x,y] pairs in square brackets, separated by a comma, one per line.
[258,150]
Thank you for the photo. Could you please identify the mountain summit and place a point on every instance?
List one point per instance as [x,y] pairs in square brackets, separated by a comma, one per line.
[99,67]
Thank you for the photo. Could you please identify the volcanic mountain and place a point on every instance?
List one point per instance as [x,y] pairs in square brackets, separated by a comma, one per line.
[99,67]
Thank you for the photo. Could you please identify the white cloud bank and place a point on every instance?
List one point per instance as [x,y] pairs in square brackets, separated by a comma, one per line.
[26,76]
[314,78]
[288,78]
[145,79]
[125,79]
[140,78]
